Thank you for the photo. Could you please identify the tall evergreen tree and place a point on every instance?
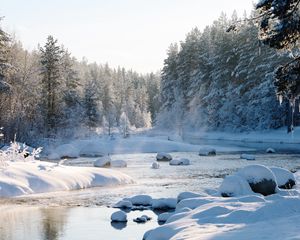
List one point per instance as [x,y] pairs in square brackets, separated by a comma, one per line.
[51,56]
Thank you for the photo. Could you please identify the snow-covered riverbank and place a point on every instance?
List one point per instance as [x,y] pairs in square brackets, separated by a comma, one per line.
[19,178]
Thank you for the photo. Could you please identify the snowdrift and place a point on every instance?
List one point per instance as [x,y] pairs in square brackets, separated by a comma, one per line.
[19,178]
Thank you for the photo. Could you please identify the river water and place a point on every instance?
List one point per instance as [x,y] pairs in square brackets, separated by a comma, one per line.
[85,214]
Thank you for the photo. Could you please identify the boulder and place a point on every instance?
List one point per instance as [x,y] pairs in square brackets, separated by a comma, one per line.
[182,161]
[284,178]
[248,157]
[119,216]
[155,165]
[207,151]
[103,162]
[163,157]
[260,178]
[270,150]
[123,204]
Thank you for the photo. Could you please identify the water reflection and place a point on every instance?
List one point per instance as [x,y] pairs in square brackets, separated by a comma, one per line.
[118,225]
[53,222]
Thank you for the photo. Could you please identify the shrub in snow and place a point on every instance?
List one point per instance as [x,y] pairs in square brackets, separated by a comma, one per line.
[164,203]
[123,204]
[163,217]
[142,219]
[119,216]
[260,178]
[182,161]
[285,179]
[163,157]
[102,162]
[64,151]
[247,156]
[155,165]
[233,186]
[207,152]
[185,195]
[118,163]
[140,200]
[270,150]
[17,152]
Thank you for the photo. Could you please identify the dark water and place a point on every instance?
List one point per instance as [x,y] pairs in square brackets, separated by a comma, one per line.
[83,214]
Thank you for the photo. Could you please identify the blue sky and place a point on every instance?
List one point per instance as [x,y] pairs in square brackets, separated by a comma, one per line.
[130,33]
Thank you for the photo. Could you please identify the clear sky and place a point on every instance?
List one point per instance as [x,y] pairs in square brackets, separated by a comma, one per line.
[134,34]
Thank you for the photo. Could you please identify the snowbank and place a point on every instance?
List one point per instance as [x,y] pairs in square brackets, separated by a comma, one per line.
[20,178]
[250,216]
[118,163]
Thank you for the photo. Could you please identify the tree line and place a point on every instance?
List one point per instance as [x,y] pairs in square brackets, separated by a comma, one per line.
[47,93]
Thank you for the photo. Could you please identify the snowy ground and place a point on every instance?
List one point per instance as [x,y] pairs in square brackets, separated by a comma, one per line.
[244,217]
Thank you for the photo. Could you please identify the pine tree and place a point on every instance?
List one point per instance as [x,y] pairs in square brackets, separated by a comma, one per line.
[51,56]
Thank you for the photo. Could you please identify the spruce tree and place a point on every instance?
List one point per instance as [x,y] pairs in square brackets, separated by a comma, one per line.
[51,56]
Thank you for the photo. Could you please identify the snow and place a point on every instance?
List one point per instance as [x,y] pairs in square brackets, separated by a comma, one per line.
[248,157]
[119,163]
[103,162]
[143,200]
[163,217]
[185,195]
[282,175]
[21,178]
[270,150]
[207,151]
[163,156]
[155,165]
[256,173]
[181,161]
[123,204]
[142,219]
[234,185]
[164,203]
[249,216]
[119,216]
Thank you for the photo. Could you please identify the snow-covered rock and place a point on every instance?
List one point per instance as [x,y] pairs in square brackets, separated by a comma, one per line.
[207,151]
[164,203]
[270,150]
[235,185]
[123,204]
[103,162]
[118,163]
[248,157]
[285,179]
[140,200]
[21,178]
[185,195]
[155,165]
[260,178]
[91,149]
[142,219]
[162,156]
[119,216]
[64,151]
[181,161]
